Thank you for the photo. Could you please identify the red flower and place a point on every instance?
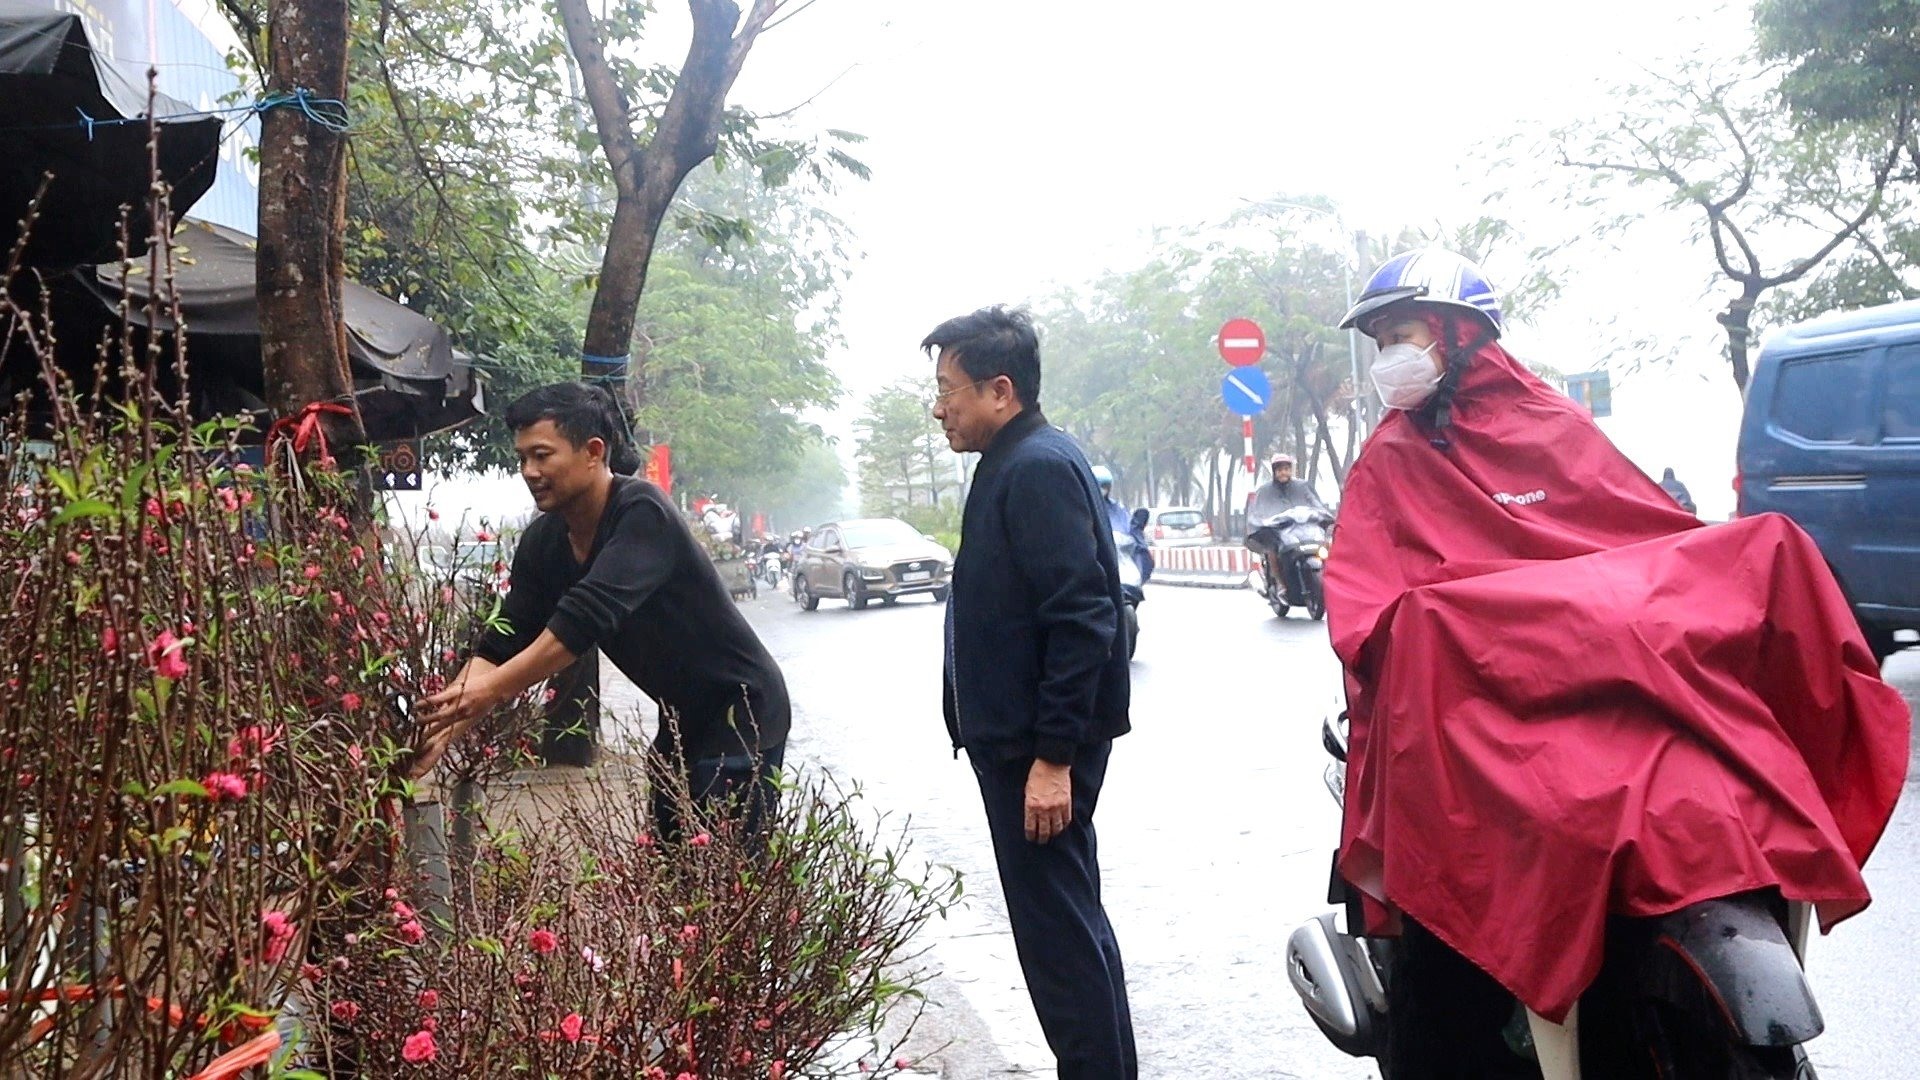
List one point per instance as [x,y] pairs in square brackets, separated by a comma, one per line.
[777,1070]
[542,941]
[345,1011]
[110,640]
[401,910]
[163,655]
[228,500]
[432,514]
[350,701]
[223,786]
[279,934]
[312,972]
[251,741]
[483,536]
[701,840]
[411,932]
[312,571]
[689,933]
[570,1027]
[419,1047]
[429,999]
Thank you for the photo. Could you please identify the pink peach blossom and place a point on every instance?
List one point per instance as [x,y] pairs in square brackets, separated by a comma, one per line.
[163,655]
[419,1047]
[224,786]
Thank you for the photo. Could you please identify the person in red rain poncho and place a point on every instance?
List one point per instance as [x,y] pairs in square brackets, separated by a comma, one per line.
[1568,698]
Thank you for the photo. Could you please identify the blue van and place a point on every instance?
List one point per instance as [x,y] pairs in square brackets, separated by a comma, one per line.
[1831,438]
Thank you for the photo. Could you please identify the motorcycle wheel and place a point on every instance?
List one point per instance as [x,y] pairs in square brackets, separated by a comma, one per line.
[1276,594]
[1133,630]
[1316,596]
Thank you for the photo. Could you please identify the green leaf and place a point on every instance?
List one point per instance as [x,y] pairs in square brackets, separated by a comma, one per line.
[82,508]
[180,787]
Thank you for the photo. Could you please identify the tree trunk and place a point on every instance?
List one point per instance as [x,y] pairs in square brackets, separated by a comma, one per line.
[648,175]
[646,178]
[303,203]
[1738,319]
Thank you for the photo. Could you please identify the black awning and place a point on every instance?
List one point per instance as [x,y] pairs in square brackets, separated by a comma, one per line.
[51,86]
[407,376]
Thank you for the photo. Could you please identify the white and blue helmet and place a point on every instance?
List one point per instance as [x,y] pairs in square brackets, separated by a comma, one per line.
[1103,476]
[1429,276]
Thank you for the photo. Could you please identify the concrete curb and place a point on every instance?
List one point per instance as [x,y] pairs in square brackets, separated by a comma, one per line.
[1199,581]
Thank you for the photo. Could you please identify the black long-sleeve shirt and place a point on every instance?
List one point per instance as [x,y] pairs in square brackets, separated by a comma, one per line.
[650,598]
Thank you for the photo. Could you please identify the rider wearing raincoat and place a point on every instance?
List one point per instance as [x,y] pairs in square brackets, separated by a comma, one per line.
[1569,699]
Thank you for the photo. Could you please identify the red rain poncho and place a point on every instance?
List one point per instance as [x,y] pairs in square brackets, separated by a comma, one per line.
[1570,699]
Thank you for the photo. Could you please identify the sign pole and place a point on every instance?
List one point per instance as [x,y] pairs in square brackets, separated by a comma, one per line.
[1246,433]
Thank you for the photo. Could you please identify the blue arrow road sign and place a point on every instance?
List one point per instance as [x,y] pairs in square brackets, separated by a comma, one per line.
[1246,390]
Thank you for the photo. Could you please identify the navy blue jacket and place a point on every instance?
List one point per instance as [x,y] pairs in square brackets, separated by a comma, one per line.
[1036,645]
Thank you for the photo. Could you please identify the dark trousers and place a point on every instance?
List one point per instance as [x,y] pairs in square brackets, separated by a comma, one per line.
[1066,946]
[743,786]
[1446,1016]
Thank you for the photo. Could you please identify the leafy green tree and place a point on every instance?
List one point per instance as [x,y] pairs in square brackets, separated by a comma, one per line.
[1849,61]
[1854,63]
[1774,204]
[902,456]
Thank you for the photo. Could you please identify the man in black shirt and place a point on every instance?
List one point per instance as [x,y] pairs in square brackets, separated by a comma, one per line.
[611,564]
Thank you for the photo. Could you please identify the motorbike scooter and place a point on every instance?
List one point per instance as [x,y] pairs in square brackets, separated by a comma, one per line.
[1132,585]
[1714,991]
[772,565]
[1292,546]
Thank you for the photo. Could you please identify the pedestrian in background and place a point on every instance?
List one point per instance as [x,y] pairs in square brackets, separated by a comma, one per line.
[1036,680]
[1672,486]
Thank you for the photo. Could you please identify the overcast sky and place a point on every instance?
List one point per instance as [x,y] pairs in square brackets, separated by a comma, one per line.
[1021,144]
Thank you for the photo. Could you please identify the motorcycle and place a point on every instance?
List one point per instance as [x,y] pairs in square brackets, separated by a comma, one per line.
[772,565]
[1714,991]
[1293,550]
[1132,584]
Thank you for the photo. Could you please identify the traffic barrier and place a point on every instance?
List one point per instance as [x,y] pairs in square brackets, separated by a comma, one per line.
[1219,559]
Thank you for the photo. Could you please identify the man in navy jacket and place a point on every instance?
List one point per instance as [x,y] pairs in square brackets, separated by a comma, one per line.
[1036,677]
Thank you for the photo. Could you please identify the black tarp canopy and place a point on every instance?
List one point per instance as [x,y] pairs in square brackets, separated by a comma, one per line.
[408,379]
[407,376]
[51,83]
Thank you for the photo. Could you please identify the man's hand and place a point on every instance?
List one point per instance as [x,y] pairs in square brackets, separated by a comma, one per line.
[447,715]
[1049,800]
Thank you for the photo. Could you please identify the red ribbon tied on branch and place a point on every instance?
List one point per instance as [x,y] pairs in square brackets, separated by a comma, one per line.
[306,427]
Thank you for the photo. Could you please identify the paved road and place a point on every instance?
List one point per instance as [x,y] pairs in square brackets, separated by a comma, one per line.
[1215,832]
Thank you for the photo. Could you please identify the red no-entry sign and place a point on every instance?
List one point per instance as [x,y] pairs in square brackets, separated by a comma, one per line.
[1241,342]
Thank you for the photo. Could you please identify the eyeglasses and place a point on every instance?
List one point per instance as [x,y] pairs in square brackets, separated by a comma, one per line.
[945,394]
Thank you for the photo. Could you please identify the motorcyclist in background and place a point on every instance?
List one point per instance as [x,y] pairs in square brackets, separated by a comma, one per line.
[1120,519]
[1283,494]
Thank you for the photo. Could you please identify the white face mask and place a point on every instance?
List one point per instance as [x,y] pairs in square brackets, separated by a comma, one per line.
[1404,376]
